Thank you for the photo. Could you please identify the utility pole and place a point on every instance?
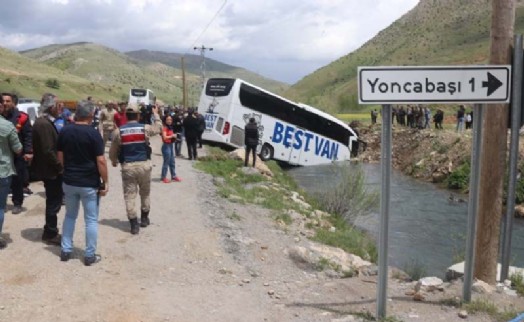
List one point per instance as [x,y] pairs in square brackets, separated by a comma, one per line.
[493,158]
[202,50]
[184,87]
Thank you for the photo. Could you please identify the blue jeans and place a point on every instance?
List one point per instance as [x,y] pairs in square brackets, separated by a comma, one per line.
[90,200]
[169,160]
[460,125]
[5,184]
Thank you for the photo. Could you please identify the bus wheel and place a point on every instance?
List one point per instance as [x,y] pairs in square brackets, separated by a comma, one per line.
[266,153]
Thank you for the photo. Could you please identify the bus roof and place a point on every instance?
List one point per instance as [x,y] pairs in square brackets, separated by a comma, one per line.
[304,106]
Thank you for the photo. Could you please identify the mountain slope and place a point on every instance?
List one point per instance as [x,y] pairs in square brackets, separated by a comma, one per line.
[435,32]
[26,77]
[106,66]
[214,68]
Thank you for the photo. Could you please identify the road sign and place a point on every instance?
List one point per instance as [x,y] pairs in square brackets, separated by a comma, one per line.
[434,84]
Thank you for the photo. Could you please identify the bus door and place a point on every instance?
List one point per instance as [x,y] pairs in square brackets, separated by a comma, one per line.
[295,154]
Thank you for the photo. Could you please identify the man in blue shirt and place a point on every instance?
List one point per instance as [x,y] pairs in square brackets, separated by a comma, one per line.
[81,152]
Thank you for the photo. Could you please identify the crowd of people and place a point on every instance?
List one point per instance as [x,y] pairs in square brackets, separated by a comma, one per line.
[420,117]
[66,152]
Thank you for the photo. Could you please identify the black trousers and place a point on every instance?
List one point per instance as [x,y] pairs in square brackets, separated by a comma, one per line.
[253,150]
[17,183]
[191,148]
[199,139]
[54,195]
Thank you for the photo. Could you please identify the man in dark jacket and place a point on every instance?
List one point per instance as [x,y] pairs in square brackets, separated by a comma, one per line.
[201,127]
[47,167]
[23,127]
[191,133]
[251,140]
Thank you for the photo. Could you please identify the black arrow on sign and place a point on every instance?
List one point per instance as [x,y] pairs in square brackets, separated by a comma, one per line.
[492,84]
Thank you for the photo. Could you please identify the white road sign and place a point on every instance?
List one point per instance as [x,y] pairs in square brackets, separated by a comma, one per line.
[438,84]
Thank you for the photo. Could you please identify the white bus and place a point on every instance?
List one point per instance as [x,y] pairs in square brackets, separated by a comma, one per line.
[291,132]
[138,96]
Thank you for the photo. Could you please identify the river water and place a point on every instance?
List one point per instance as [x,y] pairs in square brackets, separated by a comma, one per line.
[426,227]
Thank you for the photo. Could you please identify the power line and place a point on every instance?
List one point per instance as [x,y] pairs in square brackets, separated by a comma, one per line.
[202,50]
[207,26]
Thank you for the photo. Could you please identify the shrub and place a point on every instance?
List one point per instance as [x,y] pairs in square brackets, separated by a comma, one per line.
[517,280]
[349,197]
[52,83]
[415,269]
[459,178]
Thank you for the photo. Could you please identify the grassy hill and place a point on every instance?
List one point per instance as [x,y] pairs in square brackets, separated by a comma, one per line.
[82,69]
[213,68]
[28,78]
[435,32]
[111,69]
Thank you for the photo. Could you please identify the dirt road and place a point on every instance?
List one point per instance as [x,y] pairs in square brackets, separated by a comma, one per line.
[178,269]
[202,259]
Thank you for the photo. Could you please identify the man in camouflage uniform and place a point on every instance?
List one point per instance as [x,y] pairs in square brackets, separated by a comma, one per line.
[107,120]
[130,148]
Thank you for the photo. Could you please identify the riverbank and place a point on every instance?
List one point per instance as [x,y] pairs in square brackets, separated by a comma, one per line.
[438,156]
[207,256]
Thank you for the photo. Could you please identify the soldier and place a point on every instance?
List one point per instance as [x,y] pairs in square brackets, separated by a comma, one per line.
[130,147]
[107,120]
[23,127]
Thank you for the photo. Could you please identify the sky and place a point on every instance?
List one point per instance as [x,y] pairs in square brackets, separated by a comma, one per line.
[281,39]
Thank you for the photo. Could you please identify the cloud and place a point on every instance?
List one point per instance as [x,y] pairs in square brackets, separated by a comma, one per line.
[284,39]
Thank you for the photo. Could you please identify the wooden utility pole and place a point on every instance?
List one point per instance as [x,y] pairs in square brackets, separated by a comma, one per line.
[184,87]
[494,143]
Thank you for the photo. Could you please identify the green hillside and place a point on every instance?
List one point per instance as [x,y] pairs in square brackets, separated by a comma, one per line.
[435,32]
[83,69]
[112,69]
[28,78]
[213,68]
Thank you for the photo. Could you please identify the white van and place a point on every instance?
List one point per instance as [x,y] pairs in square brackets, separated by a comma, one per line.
[30,107]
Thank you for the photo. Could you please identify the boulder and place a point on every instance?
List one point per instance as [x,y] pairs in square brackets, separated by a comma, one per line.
[314,252]
[519,211]
[438,176]
[457,270]
[260,166]
[482,287]
[298,199]
[428,284]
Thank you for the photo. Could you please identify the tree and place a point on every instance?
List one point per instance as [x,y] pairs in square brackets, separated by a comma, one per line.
[493,158]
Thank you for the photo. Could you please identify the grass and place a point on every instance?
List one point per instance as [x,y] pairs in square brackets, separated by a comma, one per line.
[489,308]
[284,217]
[517,280]
[234,216]
[415,269]
[274,194]
[348,238]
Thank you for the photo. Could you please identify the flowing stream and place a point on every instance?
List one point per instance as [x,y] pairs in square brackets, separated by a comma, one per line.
[427,227]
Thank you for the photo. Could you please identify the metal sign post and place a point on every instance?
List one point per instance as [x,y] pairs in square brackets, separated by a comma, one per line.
[385,164]
[473,202]
[424,85]
[516,105]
